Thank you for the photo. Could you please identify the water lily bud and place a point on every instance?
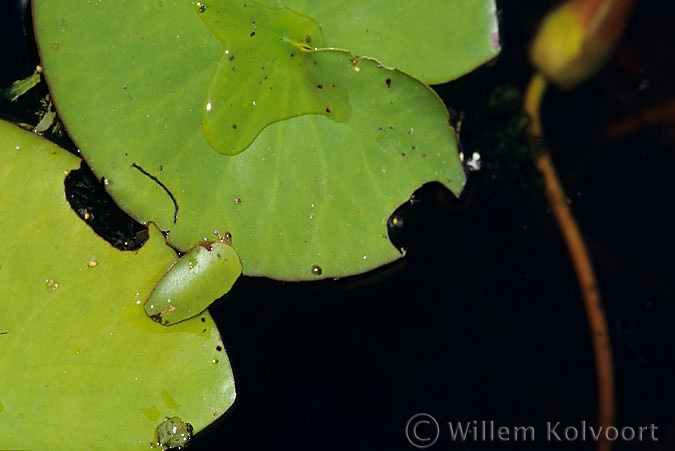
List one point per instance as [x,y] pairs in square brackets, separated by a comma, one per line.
[575,39]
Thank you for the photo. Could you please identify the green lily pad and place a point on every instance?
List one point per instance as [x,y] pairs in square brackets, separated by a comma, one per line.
[130,80]
[83,367]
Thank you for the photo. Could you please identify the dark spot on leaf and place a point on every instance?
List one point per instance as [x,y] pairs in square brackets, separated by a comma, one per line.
[219,348]
[231,57]
[414,148]
[202,8]
[252,34]
[237,201]
[203,320]
[292,54]
[308,39]
[328,110]
[424,155]
[403,154]
[319,86]
[235,126]
[388,82]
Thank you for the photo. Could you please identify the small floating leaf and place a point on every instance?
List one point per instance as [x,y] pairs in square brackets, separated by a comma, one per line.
[268,72]
[201,276]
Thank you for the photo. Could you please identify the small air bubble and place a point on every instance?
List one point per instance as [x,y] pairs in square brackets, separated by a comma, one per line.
[316,270]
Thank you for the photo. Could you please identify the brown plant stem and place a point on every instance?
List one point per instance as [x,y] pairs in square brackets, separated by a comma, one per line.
[595,313]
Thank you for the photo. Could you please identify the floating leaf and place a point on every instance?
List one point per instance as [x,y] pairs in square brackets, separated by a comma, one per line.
[199,277]
[82,365]
[309,192]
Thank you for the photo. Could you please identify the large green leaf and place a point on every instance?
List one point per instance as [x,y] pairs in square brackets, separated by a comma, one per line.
[130,80]
[82,366]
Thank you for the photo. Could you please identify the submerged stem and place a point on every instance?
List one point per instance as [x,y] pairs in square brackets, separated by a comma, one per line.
[576,247]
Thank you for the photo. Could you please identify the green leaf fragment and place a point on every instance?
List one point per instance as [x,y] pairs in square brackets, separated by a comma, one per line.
[20,87]
[204,274]
[268,72]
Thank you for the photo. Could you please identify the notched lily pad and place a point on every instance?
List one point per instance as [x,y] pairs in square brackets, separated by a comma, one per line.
[82,365]
[309,192]
[268,72]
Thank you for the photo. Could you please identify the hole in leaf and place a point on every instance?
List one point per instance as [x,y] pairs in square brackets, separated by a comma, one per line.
[93,204]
